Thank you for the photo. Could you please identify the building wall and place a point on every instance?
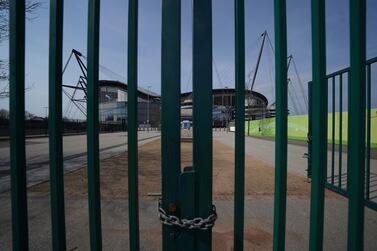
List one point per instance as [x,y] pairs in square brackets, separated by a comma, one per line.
[116,113]
[113,108]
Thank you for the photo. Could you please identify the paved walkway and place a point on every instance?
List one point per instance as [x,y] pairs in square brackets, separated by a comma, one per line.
[258,215]
[264,149]
[74,150]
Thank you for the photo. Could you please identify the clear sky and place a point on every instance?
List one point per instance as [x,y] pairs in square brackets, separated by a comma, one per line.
[259,17]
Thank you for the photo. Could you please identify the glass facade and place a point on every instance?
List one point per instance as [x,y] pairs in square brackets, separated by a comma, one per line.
[113,108]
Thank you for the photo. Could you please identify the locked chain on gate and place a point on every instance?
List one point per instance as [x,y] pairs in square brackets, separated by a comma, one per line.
[195,223]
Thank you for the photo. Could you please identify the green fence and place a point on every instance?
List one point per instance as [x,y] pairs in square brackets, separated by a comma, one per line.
[298,126]
[338,135]
[186,209]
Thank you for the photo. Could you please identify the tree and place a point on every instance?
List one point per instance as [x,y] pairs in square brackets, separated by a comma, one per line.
[30,7]
[4,114]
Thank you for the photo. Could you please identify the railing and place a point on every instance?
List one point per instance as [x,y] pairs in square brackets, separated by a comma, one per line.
[198,198]
[337,175]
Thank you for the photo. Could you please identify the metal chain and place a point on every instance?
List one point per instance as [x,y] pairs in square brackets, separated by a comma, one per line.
[195,223]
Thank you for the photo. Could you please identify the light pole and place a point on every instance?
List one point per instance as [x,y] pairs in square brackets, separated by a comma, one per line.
[46,119]
[149,88]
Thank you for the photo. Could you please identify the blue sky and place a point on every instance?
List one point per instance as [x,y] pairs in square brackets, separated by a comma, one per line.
[113,43]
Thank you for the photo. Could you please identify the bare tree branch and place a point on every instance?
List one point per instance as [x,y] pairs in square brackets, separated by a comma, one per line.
[30,8]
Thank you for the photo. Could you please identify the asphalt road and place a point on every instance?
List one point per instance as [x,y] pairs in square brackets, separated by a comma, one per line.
[74,150]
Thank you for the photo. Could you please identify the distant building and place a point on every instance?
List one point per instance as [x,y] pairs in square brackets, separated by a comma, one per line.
[113,105]
[224,101]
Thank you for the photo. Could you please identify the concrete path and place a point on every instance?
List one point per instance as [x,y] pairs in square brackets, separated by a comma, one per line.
[258,214]
[264,149]
[74,150]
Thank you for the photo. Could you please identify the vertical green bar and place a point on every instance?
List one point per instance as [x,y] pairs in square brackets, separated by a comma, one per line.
[170,109]
[281,124]
[239,182]
[369,97]
[133,200]
[55,125]
[94,194]
[202,112]
[356,125]
[187,192]
[333,133]
[340,129]
[310,125]
[17,124]
[319,126]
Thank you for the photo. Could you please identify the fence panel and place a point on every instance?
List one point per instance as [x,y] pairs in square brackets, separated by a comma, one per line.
[132,148]
[94,195]
[281,129]
[56,126]
[17,124]
[356,125]
[319,125]
[202,112]
[170,112]
[239,182]
[189,193]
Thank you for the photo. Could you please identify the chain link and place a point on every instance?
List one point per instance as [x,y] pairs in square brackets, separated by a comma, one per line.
[195,223]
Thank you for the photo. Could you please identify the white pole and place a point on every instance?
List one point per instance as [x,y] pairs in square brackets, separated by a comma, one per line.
[149,88]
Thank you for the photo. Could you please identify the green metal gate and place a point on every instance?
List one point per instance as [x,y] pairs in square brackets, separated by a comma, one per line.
[337,175]
[194,184]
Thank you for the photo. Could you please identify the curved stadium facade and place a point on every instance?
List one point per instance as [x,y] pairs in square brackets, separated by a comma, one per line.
[113,105]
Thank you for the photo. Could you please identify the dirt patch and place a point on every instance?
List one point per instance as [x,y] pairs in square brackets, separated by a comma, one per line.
[255,238]
[259,176]
[259,181]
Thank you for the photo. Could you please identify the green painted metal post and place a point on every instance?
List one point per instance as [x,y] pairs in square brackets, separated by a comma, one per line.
[310,133]
[369,97]
[133,200]
[248,124]
[17,124]
[281,124]
[319,125]
[333,132]
[340,129]
[239,182]
[356,125]
[187,194]
[202,112]
[94,195]
[55,125]
[170,110]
